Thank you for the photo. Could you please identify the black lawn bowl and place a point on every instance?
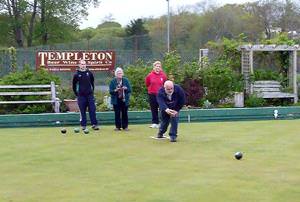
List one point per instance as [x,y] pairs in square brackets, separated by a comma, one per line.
[63,131]
[238,155]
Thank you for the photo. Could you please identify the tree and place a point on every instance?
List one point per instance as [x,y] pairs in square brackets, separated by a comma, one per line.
[290,17]
[138,36]
[87,34]
[5,31]
[268,14]
[109,24]
[68,11]
[15,9]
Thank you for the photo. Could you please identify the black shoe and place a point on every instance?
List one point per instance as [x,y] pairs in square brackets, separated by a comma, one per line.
[159,136]
[95,127]
[173,139]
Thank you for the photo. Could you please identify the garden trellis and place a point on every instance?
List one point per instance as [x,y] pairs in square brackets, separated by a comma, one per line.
[247,63]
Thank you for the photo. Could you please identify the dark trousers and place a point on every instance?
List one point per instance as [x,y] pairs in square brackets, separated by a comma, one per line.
[85,102]
[165,120]
[121,114]
[154,108]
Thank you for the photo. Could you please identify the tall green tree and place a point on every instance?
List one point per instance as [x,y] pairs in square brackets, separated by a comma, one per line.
[137,36]
[42,12]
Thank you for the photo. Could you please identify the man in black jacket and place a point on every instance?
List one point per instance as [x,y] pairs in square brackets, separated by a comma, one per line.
[171,99]
[83,87]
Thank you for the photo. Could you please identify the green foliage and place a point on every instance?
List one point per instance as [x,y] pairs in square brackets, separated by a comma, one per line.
[136,74]
[27,77]
[87,33]
[254,101]
[136,27]
[100,104]
[263,74]
[171,66]
[280,39]
[238,83]
[6,38]
[219,78]
[227,49]
[109,32]
[109,24]
[135,30]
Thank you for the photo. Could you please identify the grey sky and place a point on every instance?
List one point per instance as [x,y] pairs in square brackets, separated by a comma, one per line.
[123,11]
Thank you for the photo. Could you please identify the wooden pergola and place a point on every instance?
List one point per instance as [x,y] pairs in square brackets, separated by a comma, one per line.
[247,63]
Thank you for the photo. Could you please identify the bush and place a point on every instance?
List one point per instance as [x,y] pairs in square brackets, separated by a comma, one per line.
[27,77]
[194,91]
[171,65]
[254,101]
[136,75]
[262,74]
[220,81]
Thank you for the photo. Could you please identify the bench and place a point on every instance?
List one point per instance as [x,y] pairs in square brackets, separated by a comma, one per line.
[48,90]
[270,89]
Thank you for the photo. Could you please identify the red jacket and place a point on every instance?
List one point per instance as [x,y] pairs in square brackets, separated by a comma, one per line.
[155,81]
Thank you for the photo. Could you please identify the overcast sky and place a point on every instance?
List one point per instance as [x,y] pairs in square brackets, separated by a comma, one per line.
[123,11]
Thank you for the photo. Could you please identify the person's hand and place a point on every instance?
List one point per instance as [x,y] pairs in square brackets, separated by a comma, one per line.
[171,112]
[124,87]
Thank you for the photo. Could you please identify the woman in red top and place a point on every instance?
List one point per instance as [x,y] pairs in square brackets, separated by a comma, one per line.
[154,81]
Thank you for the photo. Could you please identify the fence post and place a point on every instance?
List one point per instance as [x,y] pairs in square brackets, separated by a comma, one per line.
[53,97]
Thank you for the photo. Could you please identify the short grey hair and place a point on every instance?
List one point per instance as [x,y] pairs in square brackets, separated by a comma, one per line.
[118,69]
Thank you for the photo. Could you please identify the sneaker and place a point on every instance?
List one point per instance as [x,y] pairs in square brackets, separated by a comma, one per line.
[126,129]
[95,127]
[154,125]
[117,129]
[173,139]
[83,127]
[159,136]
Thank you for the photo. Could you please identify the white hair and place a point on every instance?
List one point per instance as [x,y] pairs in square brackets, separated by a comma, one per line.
[118,69]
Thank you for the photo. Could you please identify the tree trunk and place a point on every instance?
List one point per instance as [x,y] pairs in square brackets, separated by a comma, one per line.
[31,25]
[43,23]
[14,14]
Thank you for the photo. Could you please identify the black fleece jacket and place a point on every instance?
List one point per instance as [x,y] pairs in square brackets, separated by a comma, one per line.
[83,83]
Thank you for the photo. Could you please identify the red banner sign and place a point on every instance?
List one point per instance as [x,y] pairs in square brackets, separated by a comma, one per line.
[56,61]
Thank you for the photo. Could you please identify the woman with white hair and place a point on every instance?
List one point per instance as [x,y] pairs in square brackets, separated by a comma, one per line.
[120,90]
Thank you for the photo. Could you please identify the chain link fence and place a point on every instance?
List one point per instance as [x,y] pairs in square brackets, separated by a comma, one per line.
[128,51]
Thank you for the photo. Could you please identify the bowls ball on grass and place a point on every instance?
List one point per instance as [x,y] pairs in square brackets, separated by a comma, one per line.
[238,155]
[76,130]
[86,131]
[63,131]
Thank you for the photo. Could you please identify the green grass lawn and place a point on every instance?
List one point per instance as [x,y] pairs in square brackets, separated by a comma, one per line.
[39,164]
